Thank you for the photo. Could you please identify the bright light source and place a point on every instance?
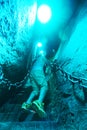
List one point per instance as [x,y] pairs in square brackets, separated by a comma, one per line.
[39,44]
[44,13]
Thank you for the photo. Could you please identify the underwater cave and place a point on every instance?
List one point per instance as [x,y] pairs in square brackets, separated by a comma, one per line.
[56,30]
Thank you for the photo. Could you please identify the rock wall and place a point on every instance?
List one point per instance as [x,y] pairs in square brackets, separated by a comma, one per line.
[16,24]
[68,104]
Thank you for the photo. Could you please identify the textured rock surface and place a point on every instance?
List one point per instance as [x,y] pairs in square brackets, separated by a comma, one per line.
[72,97]
[16,24]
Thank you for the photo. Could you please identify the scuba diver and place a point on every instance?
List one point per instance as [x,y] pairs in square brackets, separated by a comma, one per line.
[39,85]
[39,80]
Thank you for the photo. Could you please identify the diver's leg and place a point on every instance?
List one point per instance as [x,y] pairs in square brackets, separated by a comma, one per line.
[38,105]
[41,83]
[34,93]
[32,96]
[43,92]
